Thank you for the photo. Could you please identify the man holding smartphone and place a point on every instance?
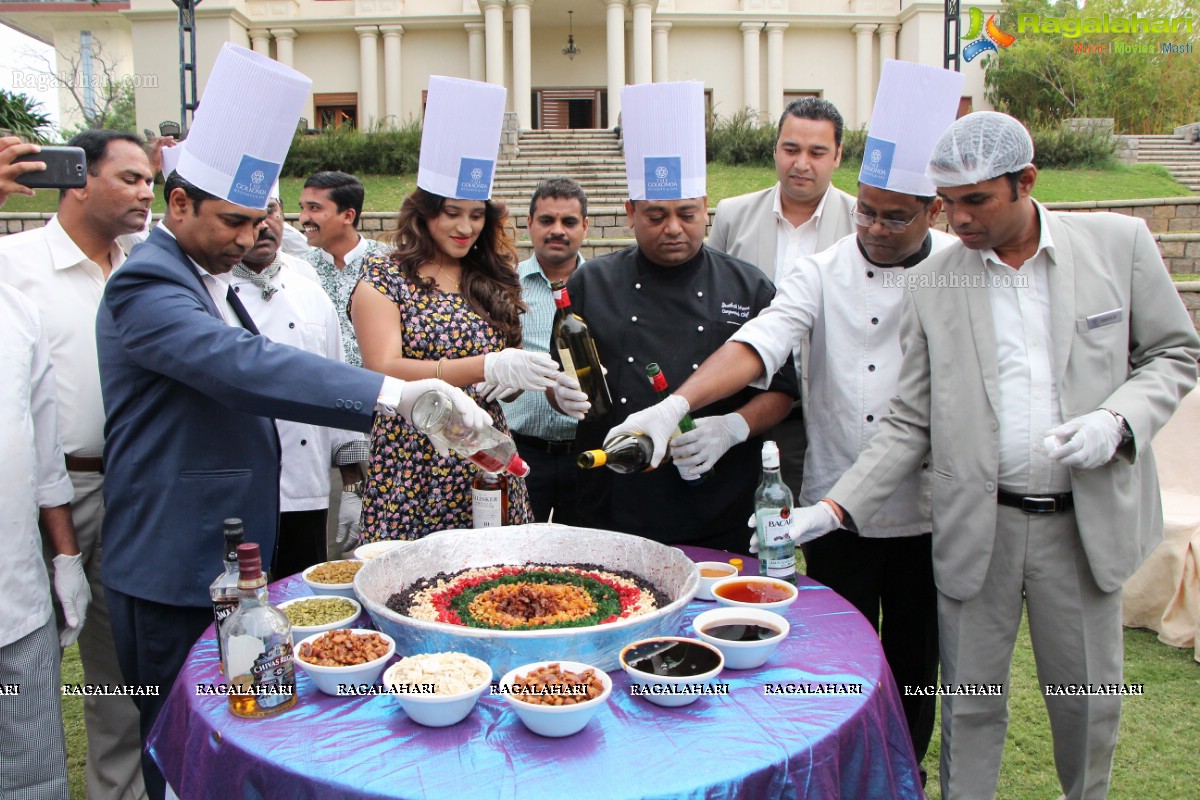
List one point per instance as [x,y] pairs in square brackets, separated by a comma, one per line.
[62,268]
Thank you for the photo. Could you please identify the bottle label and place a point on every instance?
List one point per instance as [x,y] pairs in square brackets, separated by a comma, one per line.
[273,670]
[486,505]
[567,362]
[775,545]
[222,609]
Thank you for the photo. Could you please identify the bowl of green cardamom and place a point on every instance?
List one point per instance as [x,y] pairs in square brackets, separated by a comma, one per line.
[310,615]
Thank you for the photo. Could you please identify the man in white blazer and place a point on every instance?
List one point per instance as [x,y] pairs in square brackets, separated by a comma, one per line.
[801,215]
[1041,355]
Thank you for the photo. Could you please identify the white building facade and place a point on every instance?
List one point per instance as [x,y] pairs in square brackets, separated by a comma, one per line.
[370,60]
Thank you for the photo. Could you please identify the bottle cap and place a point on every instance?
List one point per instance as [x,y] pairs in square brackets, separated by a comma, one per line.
[737,563]
[233,528]
[770,455]
[590,459]
[249,562]
[517,467]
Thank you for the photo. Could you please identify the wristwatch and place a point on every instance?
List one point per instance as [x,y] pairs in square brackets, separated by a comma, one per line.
[354,488]
[1122,427]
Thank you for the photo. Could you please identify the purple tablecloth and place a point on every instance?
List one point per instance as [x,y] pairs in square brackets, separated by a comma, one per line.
[746,744]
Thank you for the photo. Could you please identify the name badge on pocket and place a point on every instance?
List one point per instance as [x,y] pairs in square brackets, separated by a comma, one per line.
[1104,318]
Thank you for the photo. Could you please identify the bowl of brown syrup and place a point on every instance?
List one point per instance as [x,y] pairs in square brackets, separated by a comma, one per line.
[746,637]
[754,591]
[671,671]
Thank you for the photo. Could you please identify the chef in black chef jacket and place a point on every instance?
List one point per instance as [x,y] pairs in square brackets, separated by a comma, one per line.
[673,301]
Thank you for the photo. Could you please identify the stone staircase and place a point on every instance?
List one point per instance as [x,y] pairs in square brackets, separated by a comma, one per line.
[1180,156]
[591,157]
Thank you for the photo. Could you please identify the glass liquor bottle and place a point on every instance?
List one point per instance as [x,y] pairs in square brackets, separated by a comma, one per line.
[258,646]
[489,500]
[624,453]
[658,381]
[773,520]
[223,590]
[435,416]
[576,350]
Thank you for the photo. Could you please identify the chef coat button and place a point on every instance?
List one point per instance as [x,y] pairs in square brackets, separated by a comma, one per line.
[995,426]
[699,294]
[870,368]
[870,274]
[700,328]
[989,487]
[870,417]
[695,366]
[637,286]
[303,442]
[633,319]
[630,359]
[623,401]
[291,324]
[874,320]
[237,290]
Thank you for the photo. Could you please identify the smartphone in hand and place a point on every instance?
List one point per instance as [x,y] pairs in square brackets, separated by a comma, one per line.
[66,168]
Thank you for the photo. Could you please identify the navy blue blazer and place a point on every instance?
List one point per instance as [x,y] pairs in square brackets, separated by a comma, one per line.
[189,436]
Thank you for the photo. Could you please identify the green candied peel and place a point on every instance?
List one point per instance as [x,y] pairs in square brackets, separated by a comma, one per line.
[608,602]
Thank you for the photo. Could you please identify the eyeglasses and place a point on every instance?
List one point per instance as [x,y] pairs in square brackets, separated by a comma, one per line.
[890,225]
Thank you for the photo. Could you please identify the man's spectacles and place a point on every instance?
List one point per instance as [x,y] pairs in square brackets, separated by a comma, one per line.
[890,225]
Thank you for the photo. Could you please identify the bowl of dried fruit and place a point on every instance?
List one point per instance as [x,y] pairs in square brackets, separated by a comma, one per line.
[556,698]
[310,615]
[438,689]
[340,659]
[333,578]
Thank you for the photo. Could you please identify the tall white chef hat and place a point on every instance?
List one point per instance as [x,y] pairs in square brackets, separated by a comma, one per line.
[243,127]
[914,105]
[663,128]
[460,138]
[979,147]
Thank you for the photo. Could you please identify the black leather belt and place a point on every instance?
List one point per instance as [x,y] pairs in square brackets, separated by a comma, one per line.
[545,445]
[84,463]
[1037,503]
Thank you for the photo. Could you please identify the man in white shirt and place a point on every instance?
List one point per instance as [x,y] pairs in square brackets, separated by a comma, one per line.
[63,267]
[293,309]
[801,215]
[35,492]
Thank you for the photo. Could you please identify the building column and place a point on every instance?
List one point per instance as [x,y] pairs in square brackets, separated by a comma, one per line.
[260,41]
[368,76]
[493,21]
[864,75]
[475,57]
[662,61]
[522,63]
[615,56]
[751,83]
[887,42]
[392,35]
[642,12]
[284,37]
[775,69]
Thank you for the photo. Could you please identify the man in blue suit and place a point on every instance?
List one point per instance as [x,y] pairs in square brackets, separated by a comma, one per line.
[189,392]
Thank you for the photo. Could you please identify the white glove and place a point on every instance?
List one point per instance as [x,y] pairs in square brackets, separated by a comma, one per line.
[571,400]
[71,587]
[808,523]
[348,516]
[658,422]
[514,368]
[473,416]
[1085,442]
[696,451]
[492,392]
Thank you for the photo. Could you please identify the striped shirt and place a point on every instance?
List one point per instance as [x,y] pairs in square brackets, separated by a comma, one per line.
[531,414]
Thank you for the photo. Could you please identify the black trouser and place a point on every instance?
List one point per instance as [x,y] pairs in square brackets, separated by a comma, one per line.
[152,642]
[895,576]
[553,480]
[301,542]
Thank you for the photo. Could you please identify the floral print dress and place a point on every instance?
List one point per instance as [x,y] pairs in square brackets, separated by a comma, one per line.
[411,490]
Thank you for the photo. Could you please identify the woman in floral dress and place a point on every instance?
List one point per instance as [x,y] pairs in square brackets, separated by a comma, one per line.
[445,303]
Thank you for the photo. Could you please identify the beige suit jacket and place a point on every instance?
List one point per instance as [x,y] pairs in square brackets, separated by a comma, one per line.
[948,395]
[746,226]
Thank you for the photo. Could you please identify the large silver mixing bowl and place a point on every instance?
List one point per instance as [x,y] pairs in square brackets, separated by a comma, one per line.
[666,567]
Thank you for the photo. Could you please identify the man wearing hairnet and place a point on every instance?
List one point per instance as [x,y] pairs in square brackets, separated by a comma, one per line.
[1041,354]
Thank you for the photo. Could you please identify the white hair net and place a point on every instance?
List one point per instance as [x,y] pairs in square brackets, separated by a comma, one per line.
[979,147]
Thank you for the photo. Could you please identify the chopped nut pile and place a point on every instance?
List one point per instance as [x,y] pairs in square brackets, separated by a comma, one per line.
[449,673]
[551,685]
[344,648]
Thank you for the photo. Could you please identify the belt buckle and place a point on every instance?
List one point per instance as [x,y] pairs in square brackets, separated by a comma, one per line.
[1039,505]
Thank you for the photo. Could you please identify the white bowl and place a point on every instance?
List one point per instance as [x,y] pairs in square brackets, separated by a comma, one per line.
[328,679]
[308,630]
[742,655]
[667,691]
[365,552]
[555,720]
[335,589]
[439,710]
[793,593]
[706,584]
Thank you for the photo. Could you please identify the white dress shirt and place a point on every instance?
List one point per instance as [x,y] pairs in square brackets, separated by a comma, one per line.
[1020,300]
[851,308]
[32,472]
[301,315]
[66,287]
[795,241]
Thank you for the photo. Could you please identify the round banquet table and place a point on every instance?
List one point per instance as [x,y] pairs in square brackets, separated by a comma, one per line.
[745,744]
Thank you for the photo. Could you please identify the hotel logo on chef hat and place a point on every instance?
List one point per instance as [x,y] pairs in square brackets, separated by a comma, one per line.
[663,128]
[460,138]
[243,127]
[914,106]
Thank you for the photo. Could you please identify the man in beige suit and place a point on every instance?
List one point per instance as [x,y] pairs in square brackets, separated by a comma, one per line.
[1042,354]
[801,215]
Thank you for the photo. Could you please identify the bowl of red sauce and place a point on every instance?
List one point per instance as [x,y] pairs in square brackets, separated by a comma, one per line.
[754,591]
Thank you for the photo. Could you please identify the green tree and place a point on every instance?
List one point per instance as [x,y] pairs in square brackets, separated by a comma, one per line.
[23,116]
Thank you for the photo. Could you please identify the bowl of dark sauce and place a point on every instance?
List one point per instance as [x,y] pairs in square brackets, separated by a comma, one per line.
[671,670]
[745,636]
